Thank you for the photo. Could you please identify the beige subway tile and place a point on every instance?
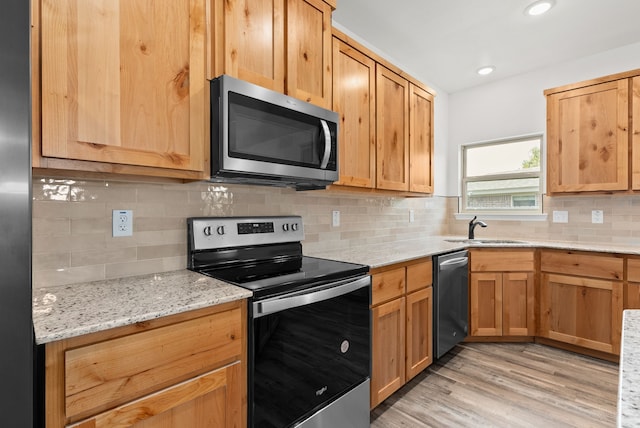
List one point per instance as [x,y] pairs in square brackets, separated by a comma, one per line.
[50,261]
[160,251]
[120,270]
[42,227]
[63,276]
[103,255]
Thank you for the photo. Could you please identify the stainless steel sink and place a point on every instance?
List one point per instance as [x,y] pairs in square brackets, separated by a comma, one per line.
[485,241]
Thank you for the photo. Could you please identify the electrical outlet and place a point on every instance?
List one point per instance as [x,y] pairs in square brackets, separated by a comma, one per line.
[561,216]
[412,216]
[335,220]
[597,216]
[122,223]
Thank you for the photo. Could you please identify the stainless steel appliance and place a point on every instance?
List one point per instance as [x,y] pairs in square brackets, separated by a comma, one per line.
[451,300]
[16,328]
[309,321]
[260,136]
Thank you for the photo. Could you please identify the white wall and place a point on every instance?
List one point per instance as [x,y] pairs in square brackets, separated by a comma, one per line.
[515,106]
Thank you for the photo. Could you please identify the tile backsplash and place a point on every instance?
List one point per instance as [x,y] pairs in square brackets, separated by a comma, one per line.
[72,239]
[621,223]
[72,229]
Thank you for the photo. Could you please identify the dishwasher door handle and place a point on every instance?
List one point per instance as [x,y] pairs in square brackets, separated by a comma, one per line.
[454,262]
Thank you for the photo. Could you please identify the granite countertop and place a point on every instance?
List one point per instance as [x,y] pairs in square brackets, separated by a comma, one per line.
[629,384]
[73,310]
[383,254]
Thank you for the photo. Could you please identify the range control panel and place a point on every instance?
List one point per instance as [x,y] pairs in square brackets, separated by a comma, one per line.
[220,232]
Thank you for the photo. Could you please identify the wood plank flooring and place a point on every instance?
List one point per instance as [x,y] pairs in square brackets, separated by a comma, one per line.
[505,385]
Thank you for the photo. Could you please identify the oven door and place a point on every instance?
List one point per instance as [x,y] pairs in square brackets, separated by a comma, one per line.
[310,349]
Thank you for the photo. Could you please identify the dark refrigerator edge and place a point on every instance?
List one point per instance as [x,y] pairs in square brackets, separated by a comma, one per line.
[16,327]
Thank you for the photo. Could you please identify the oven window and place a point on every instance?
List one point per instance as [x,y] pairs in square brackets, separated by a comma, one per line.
[306,357]
[266,132]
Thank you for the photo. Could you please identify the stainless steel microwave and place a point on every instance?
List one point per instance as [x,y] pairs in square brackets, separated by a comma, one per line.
[259,136]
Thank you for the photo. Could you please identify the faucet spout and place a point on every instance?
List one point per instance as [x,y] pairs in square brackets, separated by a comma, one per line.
[472,225]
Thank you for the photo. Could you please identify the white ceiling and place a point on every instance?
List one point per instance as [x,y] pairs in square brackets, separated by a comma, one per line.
[444,42]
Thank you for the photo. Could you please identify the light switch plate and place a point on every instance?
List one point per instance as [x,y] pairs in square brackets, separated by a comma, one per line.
[412,216]
[561,216]
[597,216]
[335,219]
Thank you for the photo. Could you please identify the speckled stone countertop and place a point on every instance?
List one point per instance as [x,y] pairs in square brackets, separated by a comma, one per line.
[73,310]
[629,384]
[386,253]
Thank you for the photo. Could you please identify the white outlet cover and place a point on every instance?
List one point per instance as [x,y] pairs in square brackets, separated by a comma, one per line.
[122,223]
[412,216]
[597,216]
[561,216]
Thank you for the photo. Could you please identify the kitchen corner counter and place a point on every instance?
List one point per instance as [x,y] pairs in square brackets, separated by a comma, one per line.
[380,254]
[67,311]
[629,383]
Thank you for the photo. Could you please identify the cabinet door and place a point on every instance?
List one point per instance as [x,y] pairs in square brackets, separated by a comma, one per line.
[486,304]
[518,304]
[419,332]
[123,82]
[392,130]
[210,400]
[308,36]
[420,140]
[635,134]
[249,41]
[354,80]
[587,138]
[581,311]
[632,291]
[388,350]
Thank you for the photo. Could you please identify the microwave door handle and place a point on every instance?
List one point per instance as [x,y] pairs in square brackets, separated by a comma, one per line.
[327,144]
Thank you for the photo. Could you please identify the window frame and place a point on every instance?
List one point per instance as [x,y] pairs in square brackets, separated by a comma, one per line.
[511,211]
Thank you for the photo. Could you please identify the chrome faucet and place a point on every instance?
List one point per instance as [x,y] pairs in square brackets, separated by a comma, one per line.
[472,225]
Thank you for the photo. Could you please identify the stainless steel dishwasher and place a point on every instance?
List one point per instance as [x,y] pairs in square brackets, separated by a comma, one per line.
[451,300]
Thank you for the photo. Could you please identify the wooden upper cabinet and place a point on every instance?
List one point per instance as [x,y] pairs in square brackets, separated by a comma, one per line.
[308,33]
[588,138]
[282,45]
[420,140]
[249,41]
[354,80]
[123,82]
[392,130]
[635,133]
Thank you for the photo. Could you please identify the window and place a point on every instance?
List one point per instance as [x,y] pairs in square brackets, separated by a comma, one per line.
[502,177]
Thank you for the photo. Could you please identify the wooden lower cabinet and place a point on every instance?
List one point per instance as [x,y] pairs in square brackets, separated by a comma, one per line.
[502,303]
[419,344]
[197,403]
[632,287]
[581,299]
[402,340]
[388,347]
[183,370]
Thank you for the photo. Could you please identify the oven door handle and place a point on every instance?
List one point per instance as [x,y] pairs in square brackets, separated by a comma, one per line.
[306,297]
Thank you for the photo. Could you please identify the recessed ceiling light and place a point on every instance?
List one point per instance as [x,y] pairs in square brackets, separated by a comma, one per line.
[483,71]
[539,7]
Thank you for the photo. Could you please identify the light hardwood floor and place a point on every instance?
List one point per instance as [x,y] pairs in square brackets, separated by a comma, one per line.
[505,385]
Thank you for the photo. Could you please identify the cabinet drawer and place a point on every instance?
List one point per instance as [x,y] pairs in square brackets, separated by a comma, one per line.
[633,270]
[103,375]
[570,263]
[419,275]
[387,285]
[502,261]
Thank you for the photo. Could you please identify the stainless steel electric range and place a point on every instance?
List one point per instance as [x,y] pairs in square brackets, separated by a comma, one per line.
[309,321]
